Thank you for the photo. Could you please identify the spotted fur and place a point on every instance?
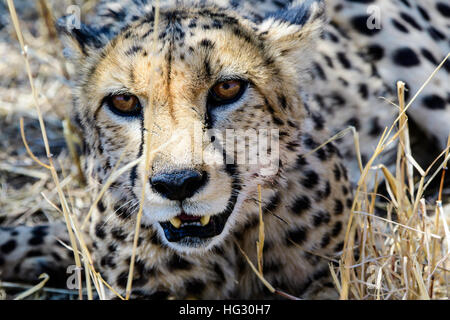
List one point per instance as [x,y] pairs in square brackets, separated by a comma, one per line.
[310,76]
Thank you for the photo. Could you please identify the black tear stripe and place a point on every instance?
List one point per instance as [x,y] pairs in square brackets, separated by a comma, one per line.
[233,172]
[133,172]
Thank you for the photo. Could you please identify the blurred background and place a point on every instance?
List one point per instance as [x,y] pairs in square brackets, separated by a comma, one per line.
[22,180]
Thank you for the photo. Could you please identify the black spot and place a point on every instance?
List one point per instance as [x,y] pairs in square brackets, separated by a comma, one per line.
[399,26]
[154,239]
[158,295]
[17,267]
[273,203]
[282,101]
[300,205]
[363,91]
[320,71]
[423,13]
[207,67]
[122,280]
[2,261]
[121,211]
[329,61]
[217,24]
[207,43]
[8,246]
[343,60]
[99,231]
[108,260]
[436,34]
[444,9]
[406,57]
[344,190]
[195,286]
[277,121]
[337,173]
[410,20]
[40,231]
[193,23]
[338,207]
[112,248]
[325,240]
[344,171]
[101,206]
[116,15]
[323,194]
[406,3]
[429,56]
[339,247]
[321,154]
[321,217]
[349,203]
[434,102]
[133,50]
[301,162]
[332,37]
[354,122]
[298,15]
[375,52]
[322,273]
[311,180]
[36,240]
[336,229]
[319,122]
[297,235]
[375,128]
[34,253]
[360,24]
[118,234]
[178,263]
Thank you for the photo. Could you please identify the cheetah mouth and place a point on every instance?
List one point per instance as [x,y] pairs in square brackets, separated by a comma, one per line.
[189,228]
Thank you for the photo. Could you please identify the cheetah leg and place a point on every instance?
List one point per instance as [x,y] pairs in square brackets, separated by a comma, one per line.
[27,252]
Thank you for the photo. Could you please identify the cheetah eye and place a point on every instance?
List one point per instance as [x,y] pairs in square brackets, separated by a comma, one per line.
[226,92]
[124,105]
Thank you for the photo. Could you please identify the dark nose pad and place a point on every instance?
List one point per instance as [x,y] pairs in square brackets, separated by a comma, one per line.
[178,185]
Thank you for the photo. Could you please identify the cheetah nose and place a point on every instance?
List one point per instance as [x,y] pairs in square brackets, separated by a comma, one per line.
[178,185]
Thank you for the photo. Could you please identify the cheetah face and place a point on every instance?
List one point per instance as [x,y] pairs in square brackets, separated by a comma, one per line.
[209,72]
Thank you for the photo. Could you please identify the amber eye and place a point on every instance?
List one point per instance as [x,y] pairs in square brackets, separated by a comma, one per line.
[124,105]
[227,92]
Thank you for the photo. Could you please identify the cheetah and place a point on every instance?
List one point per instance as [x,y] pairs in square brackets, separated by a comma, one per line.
[306,68]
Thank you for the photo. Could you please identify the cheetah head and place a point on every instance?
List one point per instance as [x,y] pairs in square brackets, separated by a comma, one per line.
[191,75]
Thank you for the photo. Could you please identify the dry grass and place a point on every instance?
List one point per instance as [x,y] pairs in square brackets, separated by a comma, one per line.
[402,258]
[403,255]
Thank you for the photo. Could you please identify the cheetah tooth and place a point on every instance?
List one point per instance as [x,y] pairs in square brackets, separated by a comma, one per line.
[205,220]
[176,222]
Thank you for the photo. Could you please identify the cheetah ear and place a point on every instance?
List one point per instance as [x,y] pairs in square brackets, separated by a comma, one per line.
[293,32]
[80,40]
